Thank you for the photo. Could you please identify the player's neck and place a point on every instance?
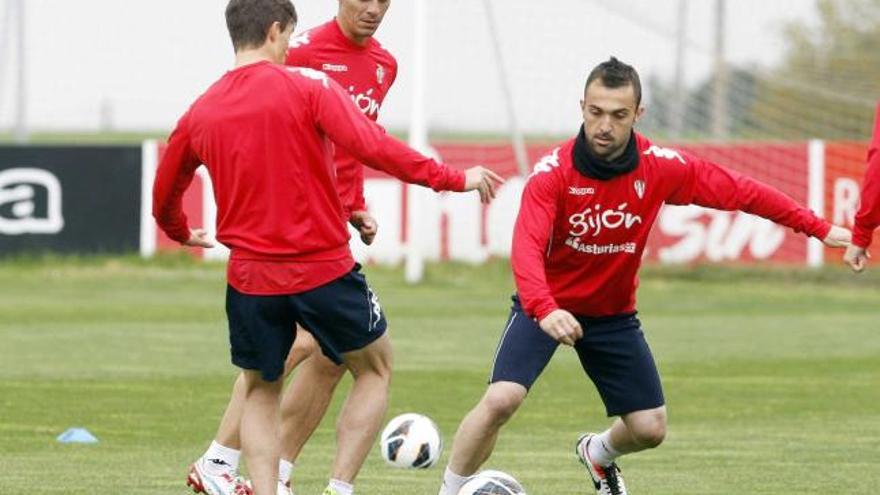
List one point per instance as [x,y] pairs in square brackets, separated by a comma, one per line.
[252,56]
[349,33]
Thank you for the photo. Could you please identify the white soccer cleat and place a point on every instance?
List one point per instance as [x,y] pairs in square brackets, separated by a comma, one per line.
[227,482]
[606,479]
[284,488]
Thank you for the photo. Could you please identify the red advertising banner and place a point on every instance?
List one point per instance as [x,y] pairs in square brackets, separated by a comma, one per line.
[457,227]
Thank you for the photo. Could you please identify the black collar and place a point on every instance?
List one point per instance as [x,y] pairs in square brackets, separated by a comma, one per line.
[594,167]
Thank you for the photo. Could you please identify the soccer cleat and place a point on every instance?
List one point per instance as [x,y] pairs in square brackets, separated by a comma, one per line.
[284,488]
[330,491]
[606,479]
[228,482]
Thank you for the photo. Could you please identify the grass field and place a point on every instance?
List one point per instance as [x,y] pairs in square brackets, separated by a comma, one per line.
[772,379]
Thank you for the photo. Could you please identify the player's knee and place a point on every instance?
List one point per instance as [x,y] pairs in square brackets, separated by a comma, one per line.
[501,405]
[650,432]
[373,361]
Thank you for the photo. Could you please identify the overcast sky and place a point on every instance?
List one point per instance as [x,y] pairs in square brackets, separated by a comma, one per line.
[147,60]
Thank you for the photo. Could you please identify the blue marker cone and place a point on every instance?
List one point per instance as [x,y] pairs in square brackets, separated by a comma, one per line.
[77,435]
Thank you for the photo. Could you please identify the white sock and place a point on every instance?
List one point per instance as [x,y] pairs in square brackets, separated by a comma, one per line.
[341,487]
[285,468]
[217,455]
[600,450]
[452,482]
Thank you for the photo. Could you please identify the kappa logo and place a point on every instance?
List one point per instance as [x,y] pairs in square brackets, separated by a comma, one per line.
[30,202]
[581,191]
[311,74]
[375,309]
[546,164]
[667,153]
[334,68]
[298,41]
[640,186]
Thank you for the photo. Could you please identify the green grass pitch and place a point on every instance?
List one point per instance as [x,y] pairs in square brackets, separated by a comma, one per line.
[772,379]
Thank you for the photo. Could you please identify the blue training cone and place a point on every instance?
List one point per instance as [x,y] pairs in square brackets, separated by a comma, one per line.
[77,435]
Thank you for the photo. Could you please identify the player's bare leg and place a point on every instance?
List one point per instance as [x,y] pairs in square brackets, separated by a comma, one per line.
[476,436]
[305,402]
[633,432]
[260,422]
[639,430]
[364,410]
[228,431]
[228,438]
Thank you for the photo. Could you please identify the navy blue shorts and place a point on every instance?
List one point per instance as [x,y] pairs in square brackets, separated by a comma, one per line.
[343,315]
[613,352]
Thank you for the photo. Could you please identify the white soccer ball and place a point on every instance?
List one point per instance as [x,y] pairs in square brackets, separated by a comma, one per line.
[411,441]
[492,482]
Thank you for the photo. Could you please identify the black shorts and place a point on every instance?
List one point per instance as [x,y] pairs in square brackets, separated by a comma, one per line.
[613,352]
[343,315]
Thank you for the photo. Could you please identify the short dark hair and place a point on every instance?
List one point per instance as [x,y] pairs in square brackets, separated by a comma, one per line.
[249,21]
[615,74]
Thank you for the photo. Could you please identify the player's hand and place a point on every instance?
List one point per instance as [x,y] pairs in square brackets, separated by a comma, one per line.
[198,238]
[838,237]
[365,224]
[483,180]
[562,327]
[857,258]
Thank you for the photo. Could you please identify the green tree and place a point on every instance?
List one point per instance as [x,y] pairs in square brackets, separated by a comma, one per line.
[829,79]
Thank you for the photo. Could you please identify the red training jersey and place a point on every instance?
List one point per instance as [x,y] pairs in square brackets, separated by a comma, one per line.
[366,71]
[264,133]
[578,241]
[868,217]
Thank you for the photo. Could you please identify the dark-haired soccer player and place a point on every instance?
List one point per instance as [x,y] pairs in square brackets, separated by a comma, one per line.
[343,48]
[868,216]
[586,213]
[265,134]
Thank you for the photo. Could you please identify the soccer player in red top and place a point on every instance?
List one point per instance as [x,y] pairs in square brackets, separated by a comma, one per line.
[868,216]
[345,50]
[265,133]
[578,241]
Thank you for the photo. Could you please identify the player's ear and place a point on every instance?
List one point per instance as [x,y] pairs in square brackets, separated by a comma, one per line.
[639,113]
[274,32]
[583,105]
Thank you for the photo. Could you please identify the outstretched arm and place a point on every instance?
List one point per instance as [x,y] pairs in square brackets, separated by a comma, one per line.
[367,141]
[707,184]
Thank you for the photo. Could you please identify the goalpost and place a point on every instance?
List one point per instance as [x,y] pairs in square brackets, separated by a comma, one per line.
[419,129]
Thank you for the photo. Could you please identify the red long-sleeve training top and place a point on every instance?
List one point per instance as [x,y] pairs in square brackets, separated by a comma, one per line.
[868,216]
[264,133]
[366,71]
[578,241]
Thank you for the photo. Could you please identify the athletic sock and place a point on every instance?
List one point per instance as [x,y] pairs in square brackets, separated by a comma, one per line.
[341,487]
[452,482]
[600,450]
[219,459]
[285,469]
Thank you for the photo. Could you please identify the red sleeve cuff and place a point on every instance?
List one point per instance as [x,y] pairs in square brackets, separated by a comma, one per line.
[456,181]
[862,237]
[180,236]
[359,204]
[822,230]
[545,309]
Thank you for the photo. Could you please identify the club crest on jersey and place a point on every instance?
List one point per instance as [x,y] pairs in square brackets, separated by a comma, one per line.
[298,41]
[640,186]
[380,73]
